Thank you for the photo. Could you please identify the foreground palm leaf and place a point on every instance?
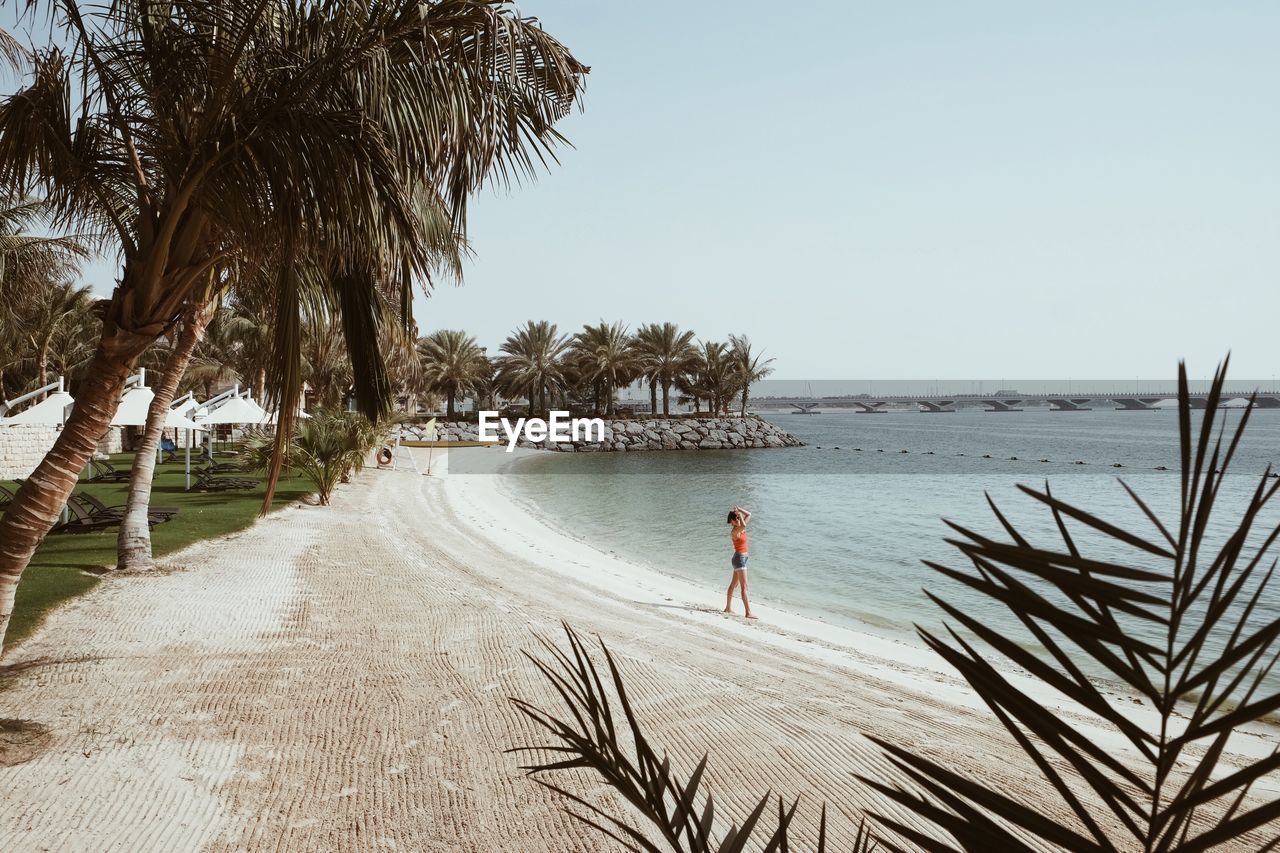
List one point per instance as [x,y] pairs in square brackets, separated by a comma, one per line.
[680,812]
[1182,625]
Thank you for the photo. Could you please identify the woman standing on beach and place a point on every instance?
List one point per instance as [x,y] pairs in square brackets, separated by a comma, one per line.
[738,517]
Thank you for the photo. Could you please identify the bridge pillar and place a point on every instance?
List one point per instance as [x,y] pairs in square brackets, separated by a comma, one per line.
[864,409]
[1076,404]
[1004,405]
[1143,404]
[928,407]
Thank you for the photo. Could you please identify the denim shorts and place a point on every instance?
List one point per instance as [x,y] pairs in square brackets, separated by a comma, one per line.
[739,561]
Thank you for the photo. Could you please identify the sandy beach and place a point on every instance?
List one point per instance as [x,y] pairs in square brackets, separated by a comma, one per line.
[337,678]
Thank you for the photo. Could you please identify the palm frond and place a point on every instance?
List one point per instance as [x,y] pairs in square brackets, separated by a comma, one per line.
[1179,624]
[678,811]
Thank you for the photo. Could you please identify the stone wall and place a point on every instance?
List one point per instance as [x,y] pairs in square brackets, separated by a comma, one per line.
[652,434]
[22,446]
[112,442]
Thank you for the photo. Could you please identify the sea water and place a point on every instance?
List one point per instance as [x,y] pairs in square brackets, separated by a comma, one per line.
[843,527]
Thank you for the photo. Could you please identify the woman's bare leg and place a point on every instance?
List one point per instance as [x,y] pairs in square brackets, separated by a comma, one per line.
[728,598]
[741,577]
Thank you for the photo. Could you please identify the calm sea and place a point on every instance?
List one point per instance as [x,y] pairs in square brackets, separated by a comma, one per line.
[841,527]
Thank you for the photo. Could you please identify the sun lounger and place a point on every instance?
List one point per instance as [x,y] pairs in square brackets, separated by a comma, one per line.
[81,519]
[105,472]
[156,514]
[207,481]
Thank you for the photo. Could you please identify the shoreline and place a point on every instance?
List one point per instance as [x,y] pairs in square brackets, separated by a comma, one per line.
[526,530]
[338,678]
[894,656]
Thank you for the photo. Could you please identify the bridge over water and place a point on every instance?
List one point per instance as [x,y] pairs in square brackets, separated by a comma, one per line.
[939,403]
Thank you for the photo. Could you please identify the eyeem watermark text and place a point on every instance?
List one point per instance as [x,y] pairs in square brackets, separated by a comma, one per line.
[560,429]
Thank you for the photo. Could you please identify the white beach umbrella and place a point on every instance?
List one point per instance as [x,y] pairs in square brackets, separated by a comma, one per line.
[136,403]
[237,410]
[133,409]
[187,407]
[51,410]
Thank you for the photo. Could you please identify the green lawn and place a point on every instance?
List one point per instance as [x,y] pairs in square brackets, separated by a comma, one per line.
[57,572]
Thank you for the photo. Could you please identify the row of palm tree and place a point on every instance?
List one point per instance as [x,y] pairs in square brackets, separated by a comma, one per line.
[316,157]
[47,324]
[587,368]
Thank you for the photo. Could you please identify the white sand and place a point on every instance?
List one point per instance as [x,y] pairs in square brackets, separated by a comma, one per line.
[336,678]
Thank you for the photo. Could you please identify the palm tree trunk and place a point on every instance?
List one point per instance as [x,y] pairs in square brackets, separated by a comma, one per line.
[133,544]
[259,382]
[448,410]
[653,397]
[42,496]
[42,363]
[666,399]
[745,391]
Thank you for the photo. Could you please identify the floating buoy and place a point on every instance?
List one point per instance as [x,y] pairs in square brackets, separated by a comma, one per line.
[1078,462]
[878,450]
[1044,460]
[904,451]
[928,453]
[837,447]
[1013,459]
[857,450]
[986,456]
[1163,468]
[1117,465]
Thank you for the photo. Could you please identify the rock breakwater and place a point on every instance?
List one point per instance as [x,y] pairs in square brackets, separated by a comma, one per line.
[732,433]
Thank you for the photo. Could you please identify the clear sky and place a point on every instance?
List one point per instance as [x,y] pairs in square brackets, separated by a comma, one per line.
[921,190]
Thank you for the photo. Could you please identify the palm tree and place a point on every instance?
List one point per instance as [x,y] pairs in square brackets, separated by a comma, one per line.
[532,362]
[666,355]
[713,377]
[133,541]
[62,307]
[605,356]
[217,358]
[747,366]
[333,143]
[404,365]
[326,366]
[486,383]
[72,346]
[452,362]
[30,266]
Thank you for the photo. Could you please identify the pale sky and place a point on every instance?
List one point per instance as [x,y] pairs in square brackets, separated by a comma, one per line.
[929,190]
